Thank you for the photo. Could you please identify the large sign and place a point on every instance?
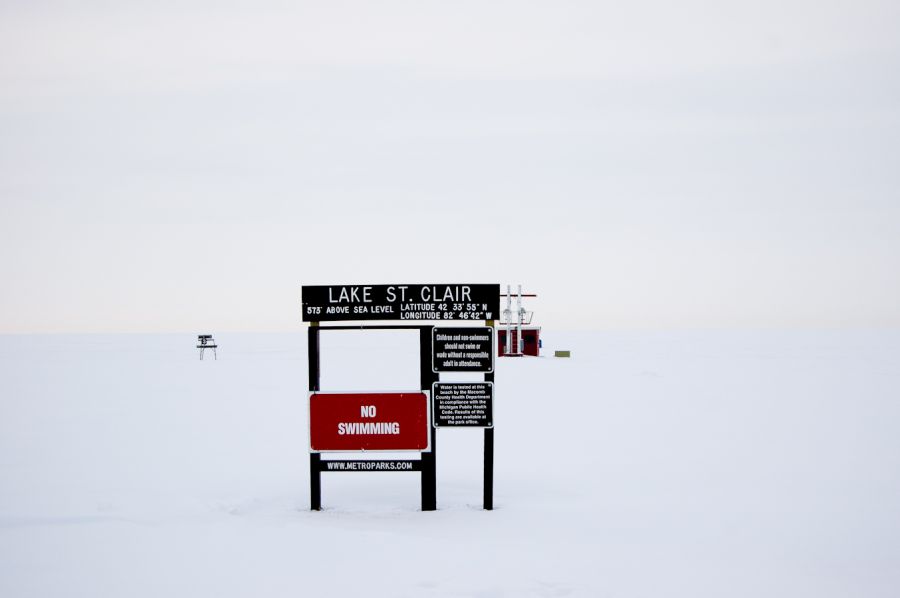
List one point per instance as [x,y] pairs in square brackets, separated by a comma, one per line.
[463,404]
[401,302]
[463,349]
[396,421]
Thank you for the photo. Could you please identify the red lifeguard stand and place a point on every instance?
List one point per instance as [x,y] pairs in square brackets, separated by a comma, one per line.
[516,337]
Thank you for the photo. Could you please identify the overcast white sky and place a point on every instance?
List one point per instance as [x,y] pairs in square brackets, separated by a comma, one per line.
[187,166]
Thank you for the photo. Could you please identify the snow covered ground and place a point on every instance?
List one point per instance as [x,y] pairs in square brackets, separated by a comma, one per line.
[649,465]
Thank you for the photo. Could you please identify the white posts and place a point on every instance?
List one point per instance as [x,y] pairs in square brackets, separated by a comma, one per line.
[520,314]
[508,313]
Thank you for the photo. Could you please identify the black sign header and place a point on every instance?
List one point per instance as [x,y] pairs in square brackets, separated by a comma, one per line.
[329,303]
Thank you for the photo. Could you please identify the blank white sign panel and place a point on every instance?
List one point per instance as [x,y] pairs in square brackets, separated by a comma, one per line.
[373,360]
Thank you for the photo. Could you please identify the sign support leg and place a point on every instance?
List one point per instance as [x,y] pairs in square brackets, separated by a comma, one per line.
[315,482]
[488,469]
[429,459]
[315,469]
[429,477]
[489,435]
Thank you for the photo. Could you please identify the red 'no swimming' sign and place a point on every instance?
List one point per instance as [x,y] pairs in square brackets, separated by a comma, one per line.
[393,421]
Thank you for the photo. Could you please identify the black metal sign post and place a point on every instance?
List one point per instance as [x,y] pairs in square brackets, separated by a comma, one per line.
[429,459]
[315,459]
[488,500]
[460,350]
